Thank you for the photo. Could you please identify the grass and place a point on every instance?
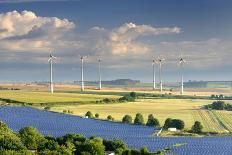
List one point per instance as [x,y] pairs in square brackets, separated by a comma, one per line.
[189,110]
[45,97]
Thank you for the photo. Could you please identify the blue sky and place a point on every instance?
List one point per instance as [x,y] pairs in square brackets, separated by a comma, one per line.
[125,33]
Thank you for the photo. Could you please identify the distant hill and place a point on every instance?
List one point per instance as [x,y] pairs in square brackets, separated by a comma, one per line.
[115,82]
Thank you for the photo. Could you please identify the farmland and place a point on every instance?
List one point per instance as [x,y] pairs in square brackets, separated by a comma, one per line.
[45,97]
[134,136]
[189,110]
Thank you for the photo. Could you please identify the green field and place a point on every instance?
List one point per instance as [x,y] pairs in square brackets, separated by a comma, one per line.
[189,110]
[45,97]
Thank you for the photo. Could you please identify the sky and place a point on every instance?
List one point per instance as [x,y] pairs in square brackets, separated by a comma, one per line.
[126,34]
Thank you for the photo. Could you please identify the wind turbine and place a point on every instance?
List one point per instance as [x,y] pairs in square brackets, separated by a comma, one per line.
[99,73]
[160,61]
[82,73]
[153,65]
[181,62]
[50,60]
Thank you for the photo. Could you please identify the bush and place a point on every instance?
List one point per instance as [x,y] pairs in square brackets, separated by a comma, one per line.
[110,118]
[126,99]
[218,105]
[89,114]
[127,119]
[47,108]
[93,146]
[174,123]
[197,127]
[106,100]
[30,137]
[113,145]
[96,115]
[152,121]
[167,123]
[133,95]
[139,120]
[144,151]
[64,111]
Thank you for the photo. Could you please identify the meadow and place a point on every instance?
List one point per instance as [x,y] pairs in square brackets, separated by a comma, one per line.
[46,97]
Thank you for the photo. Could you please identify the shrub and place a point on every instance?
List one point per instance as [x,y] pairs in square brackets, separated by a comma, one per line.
[127,119]
[126,99]
[197,127]
[133,95]
[144,151]
[152,121]
[167,123]
[174,123]
[218,105]
[106,100]
[139,120]
[89,114]
[47,108]
[113,145]
[96,115]
[110,118]
[64,111]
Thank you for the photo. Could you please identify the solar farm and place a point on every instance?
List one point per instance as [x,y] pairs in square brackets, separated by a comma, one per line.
[56,124]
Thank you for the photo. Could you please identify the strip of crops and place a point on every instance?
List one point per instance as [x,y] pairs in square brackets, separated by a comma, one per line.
[210,122]
[225,118]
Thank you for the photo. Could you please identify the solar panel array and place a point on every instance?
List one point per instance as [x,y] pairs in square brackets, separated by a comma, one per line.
[57,124]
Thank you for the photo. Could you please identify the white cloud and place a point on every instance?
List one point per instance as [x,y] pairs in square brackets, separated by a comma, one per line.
[124,39]
[25,31]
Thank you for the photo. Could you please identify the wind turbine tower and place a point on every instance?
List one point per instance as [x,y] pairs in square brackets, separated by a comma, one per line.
[82,72]
[181,62]
[99,73]
[153,65]
[50,60]
[160,62]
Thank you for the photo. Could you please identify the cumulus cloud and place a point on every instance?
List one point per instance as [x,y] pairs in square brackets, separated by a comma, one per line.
[124,39]
[25,31]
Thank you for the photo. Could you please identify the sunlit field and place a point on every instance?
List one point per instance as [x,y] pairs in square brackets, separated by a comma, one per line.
[46,97]
[189,110]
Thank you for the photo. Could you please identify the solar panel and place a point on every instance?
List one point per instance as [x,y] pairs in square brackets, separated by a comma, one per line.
[135,136]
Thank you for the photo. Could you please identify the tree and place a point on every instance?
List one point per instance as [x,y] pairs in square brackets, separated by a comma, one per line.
[127,119]
[30,137]
[89,114]
[218,105]
[110,118]
[167,123]
[9,140]
[152,121]
[139,120]
[96,115]
[177,123]
[144,151]
[174,123]
[133,94]
[197,127]
[93,146]
[113,145]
